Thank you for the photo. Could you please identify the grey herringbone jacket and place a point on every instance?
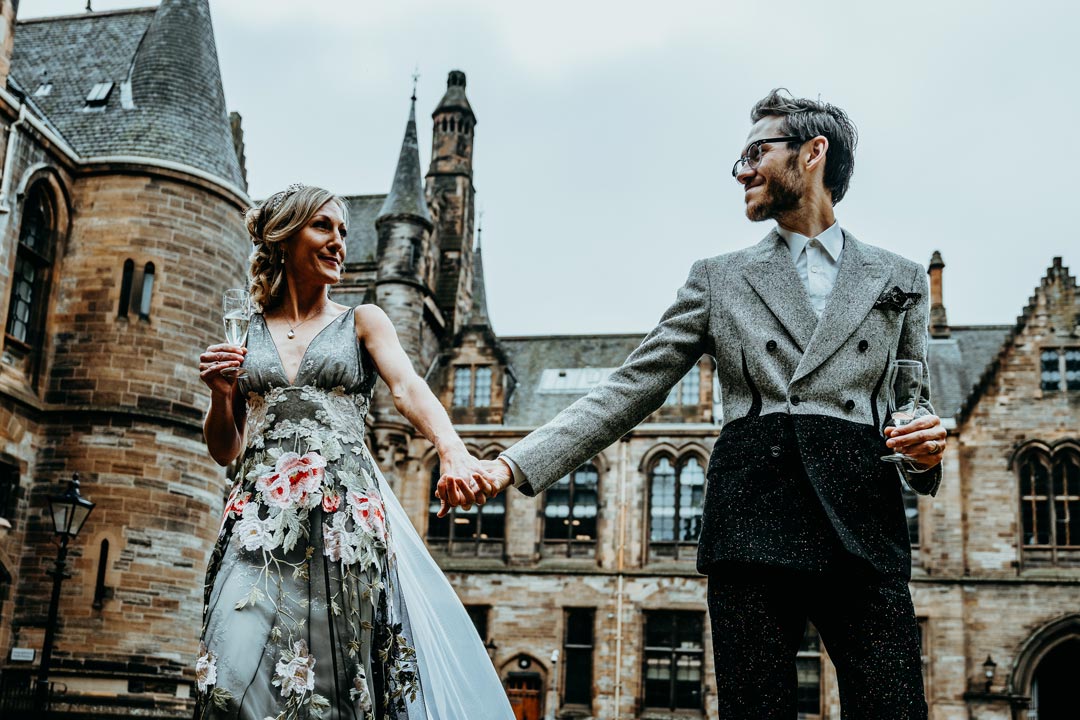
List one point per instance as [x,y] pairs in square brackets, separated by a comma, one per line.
[797,465]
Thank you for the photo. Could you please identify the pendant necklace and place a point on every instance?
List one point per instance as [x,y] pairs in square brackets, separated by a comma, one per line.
[292,334]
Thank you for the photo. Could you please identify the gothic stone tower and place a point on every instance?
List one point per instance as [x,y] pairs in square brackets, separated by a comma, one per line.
[122,228]
[424,254]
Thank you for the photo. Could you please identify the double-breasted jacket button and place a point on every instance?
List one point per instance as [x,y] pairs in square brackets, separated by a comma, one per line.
[795,400]
[775,451]
[771,346]
[864,346]
[849,405]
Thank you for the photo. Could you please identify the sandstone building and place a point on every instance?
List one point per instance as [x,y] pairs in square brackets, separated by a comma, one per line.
[123,184]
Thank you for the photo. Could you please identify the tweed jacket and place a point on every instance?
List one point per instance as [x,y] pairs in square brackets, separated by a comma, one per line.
[797,465]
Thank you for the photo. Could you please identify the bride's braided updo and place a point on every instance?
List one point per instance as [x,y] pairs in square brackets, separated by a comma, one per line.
[271,224]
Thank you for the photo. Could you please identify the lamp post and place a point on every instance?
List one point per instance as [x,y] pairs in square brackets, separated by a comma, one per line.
[988,671]
[68,511]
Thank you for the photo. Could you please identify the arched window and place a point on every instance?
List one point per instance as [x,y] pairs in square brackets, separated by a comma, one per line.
[1050,505]
[479,531]
[676,497]
[570,512]
[126,278]
[147,291]
[33,263]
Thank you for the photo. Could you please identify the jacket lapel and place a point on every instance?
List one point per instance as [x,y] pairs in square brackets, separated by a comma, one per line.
[859,283]
[774,279]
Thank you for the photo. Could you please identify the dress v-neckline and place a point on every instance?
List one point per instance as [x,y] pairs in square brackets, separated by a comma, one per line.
[300,367]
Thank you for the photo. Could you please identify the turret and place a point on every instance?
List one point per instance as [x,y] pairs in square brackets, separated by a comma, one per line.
[452,137]
[450,187]
[404,275]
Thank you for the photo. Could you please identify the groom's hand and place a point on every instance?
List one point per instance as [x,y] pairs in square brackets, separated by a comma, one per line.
[492,478]
[500,474]
[923,440]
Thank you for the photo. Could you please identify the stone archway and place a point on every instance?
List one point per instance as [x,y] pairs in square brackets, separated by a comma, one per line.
[525,680]
[1048,671]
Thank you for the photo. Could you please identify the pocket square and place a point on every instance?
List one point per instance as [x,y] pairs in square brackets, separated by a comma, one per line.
[897,300]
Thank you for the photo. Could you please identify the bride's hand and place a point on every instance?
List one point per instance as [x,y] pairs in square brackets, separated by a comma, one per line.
[464,482]
[214,360]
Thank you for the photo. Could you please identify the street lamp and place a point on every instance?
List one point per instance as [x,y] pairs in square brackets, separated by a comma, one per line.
[69,512]
[988,670]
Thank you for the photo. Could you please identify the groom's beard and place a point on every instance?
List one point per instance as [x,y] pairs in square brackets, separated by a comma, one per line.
[782,194]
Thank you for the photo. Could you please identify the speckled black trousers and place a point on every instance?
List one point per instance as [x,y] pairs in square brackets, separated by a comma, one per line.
[866,622]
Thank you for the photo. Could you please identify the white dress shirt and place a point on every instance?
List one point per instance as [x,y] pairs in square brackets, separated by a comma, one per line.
[817,261]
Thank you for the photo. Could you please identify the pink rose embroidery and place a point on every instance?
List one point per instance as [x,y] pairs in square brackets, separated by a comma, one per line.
[295,481]
[367,512]
[331,502]
[233,506]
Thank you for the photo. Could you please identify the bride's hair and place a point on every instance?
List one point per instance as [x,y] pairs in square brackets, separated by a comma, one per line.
[271,224]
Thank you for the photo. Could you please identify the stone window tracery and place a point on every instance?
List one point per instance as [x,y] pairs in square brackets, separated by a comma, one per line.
[1049,492]
[570,513]
[676,499]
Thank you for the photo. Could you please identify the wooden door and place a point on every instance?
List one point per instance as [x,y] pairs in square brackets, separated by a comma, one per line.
[524,694]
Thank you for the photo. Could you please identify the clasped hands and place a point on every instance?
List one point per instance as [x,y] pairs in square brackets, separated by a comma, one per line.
[467,481]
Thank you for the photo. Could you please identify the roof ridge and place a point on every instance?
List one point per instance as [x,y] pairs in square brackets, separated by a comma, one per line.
[86,15]
[578,336]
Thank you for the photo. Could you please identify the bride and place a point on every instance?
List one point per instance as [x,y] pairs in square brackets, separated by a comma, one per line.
[321,600]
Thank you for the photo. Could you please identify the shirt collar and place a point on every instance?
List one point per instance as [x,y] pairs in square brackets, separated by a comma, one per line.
[832,240]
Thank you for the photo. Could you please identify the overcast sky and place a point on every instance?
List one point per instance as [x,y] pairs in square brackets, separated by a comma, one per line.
[607,130]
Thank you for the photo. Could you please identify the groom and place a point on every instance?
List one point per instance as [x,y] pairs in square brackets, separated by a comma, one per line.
[802,518]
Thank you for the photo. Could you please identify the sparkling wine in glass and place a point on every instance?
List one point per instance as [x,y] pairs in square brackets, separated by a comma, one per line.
[236,307]
[904,393]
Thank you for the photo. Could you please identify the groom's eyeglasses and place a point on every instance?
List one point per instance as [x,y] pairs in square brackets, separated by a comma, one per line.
[753,155]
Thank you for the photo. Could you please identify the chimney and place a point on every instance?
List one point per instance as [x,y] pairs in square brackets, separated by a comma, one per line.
[8,8]
[939,324]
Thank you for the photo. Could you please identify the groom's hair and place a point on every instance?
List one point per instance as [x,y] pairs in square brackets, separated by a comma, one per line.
[807,119]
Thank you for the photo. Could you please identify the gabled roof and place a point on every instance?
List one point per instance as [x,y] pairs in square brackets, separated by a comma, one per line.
[1057,272]
[165,101]
[530,356]
[957,362]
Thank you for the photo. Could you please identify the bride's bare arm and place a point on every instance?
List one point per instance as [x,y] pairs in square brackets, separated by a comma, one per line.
[461,472]
[224,422]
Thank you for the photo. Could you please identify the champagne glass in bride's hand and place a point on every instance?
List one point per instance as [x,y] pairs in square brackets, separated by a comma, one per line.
[904,393]
[236,307]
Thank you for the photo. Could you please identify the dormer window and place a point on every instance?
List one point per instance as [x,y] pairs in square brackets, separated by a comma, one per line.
[43,90]
[99,95]
[472,386]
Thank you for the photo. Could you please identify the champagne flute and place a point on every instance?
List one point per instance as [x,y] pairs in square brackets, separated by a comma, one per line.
[236,307]
[904,393]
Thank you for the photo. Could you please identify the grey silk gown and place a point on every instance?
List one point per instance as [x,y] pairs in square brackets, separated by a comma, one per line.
[304,617]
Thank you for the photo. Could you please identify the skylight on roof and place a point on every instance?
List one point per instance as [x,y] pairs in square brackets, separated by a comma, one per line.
[99,94]
[571,381]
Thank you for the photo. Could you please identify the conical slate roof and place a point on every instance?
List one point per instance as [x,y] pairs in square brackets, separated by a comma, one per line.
[407,193]
[455,99]
[478,313]
[164,99]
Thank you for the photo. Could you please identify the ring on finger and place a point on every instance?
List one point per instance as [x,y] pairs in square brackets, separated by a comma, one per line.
[938,447]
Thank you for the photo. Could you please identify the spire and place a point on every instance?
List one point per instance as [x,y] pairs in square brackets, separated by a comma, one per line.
[478,313]
[407,193]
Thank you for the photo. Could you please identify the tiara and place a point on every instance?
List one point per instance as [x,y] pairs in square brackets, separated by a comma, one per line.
[280,197]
